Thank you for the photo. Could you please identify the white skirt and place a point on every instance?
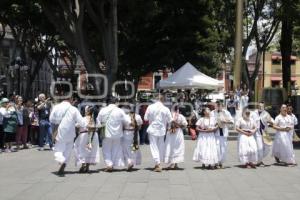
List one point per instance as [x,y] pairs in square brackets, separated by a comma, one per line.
[174,147]
[283,147]
[247,149]
[206,150]
[130,157]
[83,154]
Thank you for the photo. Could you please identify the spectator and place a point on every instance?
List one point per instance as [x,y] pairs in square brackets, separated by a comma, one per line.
[10,122]
[2,111]
[23,123]
[143,131]
[232,106]
[44,108]
[34,124]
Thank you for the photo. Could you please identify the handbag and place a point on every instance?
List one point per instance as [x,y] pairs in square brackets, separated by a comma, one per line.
[103,128]
[267,138]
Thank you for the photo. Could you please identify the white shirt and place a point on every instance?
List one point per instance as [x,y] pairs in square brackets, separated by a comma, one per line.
[223,115]
[3,112]
[283,121]
[294,119]
[206,122]
[263,117]
[114,119]
[246,125]
[128,132]
[159,116]
[66,116]
[244,101]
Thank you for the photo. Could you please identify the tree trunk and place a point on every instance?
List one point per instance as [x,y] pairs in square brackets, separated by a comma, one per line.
[110,42]
[286,47]
[104,15]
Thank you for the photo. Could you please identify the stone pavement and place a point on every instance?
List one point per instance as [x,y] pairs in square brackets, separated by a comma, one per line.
[28,175]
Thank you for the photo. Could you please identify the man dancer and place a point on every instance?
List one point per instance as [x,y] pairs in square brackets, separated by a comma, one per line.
[294,121]
[223,118]
[159,117]
[113,120]
[65,116]
[262,119]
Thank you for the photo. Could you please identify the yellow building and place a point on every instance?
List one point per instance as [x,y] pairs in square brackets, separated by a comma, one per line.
[273,70]
[271,67]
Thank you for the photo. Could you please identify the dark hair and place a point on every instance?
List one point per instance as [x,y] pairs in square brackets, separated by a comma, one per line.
[111,100]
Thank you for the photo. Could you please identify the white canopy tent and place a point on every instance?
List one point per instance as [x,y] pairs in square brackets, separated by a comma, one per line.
[188,77]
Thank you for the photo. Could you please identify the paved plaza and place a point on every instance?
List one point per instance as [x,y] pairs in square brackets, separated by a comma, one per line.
[30,175]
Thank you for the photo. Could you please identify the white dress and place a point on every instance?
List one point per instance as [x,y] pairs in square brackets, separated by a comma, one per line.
[131,157]
[174,152]
[206,150]
[247,147]
[82,153]
[282,145]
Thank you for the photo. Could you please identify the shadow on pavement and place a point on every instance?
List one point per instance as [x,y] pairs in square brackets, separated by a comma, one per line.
[75,172]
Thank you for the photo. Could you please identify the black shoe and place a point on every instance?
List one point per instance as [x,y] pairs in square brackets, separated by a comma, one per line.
[82,169]
[277,160]
[61,170]
[87,168]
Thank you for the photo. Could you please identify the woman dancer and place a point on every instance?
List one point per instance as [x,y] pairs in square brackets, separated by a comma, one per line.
[87,143]
[129,141]
[283,147]
[174,152]
[247,147]
[206,150]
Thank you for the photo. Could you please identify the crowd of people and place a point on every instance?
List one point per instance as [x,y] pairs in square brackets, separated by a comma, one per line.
[120,131]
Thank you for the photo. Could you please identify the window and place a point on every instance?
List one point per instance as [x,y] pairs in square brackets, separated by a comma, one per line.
[276,84]
[293,62]
[276,62]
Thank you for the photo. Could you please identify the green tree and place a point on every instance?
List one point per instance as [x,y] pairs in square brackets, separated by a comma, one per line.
[157,33]
[289,17]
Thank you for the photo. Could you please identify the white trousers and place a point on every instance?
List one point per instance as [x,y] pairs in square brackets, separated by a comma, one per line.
[157,146]
[63,151]
[112,152]
[262,149]
[222,148]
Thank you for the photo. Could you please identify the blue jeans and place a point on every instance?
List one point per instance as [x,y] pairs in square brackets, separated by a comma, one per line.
[144,135]
[45,133]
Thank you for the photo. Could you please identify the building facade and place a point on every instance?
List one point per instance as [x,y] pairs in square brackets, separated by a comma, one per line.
[270,71]
[14,73]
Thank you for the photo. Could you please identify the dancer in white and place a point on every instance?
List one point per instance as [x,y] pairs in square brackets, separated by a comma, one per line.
[130,144]
[206,150]
[159,117]
[262,119]
[247,147]
[224,119]
[65,116]
[113,119]
[174,152]
[282,147]
[86,146]
[294,121]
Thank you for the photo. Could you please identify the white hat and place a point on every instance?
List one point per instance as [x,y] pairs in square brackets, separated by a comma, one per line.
[5,100]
